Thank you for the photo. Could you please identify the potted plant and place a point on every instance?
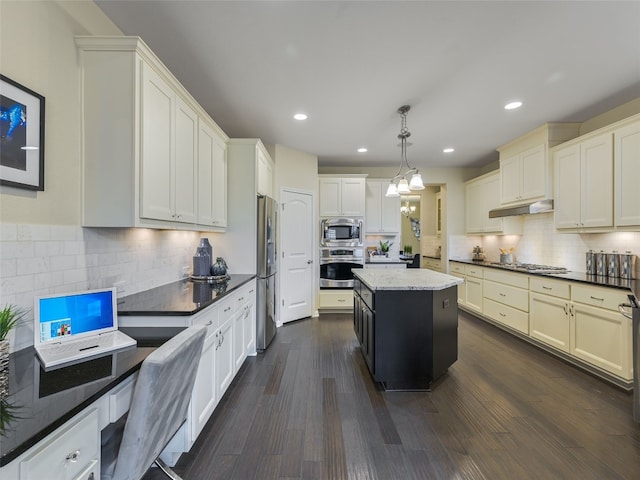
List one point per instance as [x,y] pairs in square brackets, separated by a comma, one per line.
[10,316]
[384,247]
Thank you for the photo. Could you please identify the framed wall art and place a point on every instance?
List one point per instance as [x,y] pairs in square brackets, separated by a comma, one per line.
[21,136]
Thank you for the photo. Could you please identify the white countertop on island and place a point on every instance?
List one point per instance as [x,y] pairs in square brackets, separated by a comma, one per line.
[405,279]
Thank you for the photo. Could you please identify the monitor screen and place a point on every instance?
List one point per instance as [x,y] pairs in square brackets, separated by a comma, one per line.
[62,316]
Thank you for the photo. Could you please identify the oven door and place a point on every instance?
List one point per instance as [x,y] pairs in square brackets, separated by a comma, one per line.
[337,273]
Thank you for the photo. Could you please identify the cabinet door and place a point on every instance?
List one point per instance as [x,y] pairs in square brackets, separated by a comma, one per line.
[203,398]
[265,174]
[206,146]
[510,179]
[597,182]
[602,338]
[239,351]
[330,197]
[474,293]
[567,189]
[534,173]
[157,165]
[368,338]
[491,199]
[219,182]
[549,321]
[373,206]
[474,206]
[353,197]
[224,358]
[250,325]
[185,159]
[627,172]
[389,212]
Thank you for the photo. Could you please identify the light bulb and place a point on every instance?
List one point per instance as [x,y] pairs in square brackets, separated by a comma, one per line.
[403,186]
[392,190]
[416,182]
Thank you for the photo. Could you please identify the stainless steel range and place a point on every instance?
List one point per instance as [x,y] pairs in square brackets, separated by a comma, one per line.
[530,267]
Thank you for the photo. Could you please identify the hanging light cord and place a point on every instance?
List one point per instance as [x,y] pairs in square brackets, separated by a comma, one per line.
[403,135]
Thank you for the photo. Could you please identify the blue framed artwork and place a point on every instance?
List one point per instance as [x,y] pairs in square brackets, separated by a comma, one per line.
[21,136]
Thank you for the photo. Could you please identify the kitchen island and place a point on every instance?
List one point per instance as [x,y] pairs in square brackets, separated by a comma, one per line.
[406,321]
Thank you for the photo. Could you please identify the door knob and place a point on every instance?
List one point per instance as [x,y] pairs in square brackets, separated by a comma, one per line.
[309,262]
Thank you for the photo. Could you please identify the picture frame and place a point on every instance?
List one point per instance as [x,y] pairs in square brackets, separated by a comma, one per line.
[21,136]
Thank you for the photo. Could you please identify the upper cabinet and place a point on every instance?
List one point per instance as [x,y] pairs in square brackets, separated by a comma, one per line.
[383,213]
[525,172]
[342,196]
[584,183]
[481,195]
[626,163]
[144,143]
[596,179]
[265,173]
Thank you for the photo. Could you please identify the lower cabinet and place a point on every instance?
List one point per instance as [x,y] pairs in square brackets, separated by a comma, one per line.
[431,264]
[204,398]
[474,297]
[72,452]
[224,364]
[336,298]
[549,321]
[506,298]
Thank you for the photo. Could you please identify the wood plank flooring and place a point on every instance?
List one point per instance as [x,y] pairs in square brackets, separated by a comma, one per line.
[308,409]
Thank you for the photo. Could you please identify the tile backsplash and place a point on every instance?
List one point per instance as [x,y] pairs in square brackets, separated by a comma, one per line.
[48,259]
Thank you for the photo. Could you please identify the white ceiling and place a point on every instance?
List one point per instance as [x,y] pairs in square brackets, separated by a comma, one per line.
[350,64]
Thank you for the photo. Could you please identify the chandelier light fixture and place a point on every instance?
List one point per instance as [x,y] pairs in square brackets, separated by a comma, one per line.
[407,209]
[399,184]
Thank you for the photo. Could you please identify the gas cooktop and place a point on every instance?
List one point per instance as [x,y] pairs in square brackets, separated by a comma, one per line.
[530,267]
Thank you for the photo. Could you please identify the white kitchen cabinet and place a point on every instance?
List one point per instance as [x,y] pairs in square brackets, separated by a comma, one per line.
[506,298]
[382,212]
[224,363]
[524,177]
[474,275]
[550,320]
[212,177]
[457,270]
[203,397]
[626,148]
[140,149]
[584,183]
[341,299]
[438,213]
[265,173]
[66,454]
[239,351]
[481,195]
[342,196]
[431,264]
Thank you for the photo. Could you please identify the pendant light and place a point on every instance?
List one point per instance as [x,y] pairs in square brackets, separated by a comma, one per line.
[399,184]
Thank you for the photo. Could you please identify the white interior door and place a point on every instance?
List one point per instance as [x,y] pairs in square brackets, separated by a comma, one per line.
[297,255]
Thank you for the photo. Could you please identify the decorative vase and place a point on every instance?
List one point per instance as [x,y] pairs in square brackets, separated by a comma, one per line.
[219,269]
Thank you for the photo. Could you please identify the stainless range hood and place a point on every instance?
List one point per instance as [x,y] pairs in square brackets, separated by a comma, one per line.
[540,206]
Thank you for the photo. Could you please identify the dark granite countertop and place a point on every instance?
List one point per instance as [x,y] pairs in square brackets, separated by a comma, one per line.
[183,297]
[632,285]
[43,401]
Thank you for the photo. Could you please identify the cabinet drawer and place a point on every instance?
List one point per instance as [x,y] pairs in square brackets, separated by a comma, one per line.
[66,452]
[209,319]
[507,295]
[245,294]
[225,309]
[556,288]
[516,279]
[456,269]
[599,297]
[120,398]
[506,315]
[336,299]
[473,271]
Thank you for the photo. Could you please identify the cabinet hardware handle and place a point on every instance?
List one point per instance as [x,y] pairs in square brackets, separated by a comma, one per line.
[621,309]
[341,300]
[565,309]
[502,295]
[596,298]
[547,288]
[227,309]
[210,322]
[502,314]
[240,299]
[73,456]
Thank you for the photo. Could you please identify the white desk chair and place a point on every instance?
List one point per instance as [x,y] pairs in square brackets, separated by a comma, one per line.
[158,408]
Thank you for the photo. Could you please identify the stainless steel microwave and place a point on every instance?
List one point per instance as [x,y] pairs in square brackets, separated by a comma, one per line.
[343,232]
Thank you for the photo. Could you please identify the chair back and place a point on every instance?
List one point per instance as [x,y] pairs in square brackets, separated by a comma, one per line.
[160,402]
[416,261]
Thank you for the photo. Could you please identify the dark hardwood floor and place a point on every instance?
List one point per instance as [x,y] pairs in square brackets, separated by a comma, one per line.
[308,409]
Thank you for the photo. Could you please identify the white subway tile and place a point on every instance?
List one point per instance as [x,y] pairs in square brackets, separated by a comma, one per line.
[33,232]
[63,262]
[64,232]
[8,232]
[16,249]
[26,266]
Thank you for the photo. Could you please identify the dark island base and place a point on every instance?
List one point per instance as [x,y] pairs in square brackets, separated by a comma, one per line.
[408,338]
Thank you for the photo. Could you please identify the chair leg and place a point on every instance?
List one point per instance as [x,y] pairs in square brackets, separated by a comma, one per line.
[167,470]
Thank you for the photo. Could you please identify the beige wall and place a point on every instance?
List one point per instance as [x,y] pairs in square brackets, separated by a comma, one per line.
[294,169]
[614,115]
[38,51]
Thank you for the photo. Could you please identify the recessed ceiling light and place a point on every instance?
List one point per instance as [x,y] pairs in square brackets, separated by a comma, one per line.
[448,150]
[300,116]
[362,150]
[512,105]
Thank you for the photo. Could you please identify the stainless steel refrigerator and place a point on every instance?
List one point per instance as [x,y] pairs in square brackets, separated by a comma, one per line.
[267,270]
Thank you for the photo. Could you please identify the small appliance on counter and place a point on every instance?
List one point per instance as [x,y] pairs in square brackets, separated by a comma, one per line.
[478,254]
[614,264]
